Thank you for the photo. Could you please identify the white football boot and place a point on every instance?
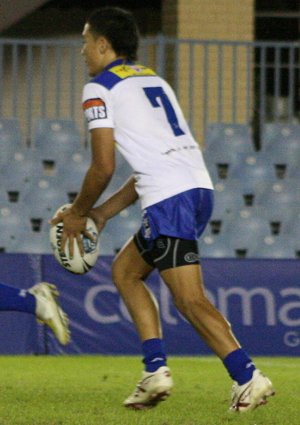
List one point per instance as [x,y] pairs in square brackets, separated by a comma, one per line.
[151,389]
[252,394]
[49,312]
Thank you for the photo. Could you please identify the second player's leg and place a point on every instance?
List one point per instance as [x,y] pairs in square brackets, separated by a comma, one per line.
[186,286]
[129,270]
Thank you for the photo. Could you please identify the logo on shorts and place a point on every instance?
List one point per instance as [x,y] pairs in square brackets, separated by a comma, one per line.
[146,226]
[191,257]
[161,244]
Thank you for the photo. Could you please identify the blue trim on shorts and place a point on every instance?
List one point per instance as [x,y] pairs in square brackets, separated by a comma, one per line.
[182,216]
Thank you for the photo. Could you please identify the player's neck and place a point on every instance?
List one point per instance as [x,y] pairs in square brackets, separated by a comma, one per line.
[114,58]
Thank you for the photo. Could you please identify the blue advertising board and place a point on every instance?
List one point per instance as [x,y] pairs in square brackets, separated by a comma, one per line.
[261,299]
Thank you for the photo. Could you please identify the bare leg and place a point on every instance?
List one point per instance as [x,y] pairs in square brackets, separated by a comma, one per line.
[187,288]
[129,270]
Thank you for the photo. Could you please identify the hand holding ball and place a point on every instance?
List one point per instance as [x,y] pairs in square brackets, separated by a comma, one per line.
[77,264]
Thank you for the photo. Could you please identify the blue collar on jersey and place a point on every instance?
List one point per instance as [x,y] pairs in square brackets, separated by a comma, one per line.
[109,79]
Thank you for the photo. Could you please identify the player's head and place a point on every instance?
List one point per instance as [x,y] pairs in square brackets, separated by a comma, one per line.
[116,27]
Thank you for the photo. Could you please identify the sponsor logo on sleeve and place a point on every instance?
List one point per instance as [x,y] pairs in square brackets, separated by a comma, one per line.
[94,109]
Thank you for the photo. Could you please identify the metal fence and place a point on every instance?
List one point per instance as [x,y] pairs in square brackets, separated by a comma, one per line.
[216,81]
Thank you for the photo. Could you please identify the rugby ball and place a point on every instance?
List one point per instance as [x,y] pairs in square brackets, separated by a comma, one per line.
[77,264]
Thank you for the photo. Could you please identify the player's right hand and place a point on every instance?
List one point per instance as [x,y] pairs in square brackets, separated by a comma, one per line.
[98,218]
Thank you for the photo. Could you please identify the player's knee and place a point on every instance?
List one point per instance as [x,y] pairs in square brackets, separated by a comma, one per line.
[188,304]
[118,273]
[122,274]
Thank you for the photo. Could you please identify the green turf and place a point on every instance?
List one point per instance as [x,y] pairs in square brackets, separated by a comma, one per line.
[90,390]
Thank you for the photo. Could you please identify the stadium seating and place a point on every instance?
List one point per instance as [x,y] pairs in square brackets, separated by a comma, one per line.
[228,197]
[237,137]
[107,244]
[22,167]
[56,138]
[225,145]
[121,227]
[282,135]
[13,190]
[290,225]
[39,179]
[216,247]
[71,173]
[10,138]
[252,170]
[246,228]
[45,195]
[282,143]
[293,169]
[13,219]
[280,195]
[277,247]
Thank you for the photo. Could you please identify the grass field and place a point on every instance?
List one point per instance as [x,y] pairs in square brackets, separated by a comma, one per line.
[90,390]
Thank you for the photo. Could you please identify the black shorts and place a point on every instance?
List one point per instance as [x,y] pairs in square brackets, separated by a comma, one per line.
[167,252]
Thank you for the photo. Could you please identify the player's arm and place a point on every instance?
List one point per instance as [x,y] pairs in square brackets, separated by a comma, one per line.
[99,173]
[95,181]
[120,200]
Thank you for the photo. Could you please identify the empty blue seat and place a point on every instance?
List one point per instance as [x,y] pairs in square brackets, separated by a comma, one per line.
[246,228]
[121,227]
[7,241]
[45,195]
[278,247]
[123,169]
[252,170]
[280,196]
[212,167]
[290,225]
[71,173]
[106,243]
[13,219]
[56,137]
[226,145]
[215,247]
[22,168]
[4,198]
[13,190]
[10,138]
[220,160]
[293,169]
[282,142]
[280,134]
[228,197]
[238,137]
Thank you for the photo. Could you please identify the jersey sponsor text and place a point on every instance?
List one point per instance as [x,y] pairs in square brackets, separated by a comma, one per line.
[94,109]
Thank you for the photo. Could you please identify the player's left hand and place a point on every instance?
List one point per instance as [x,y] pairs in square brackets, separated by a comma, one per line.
[74,226]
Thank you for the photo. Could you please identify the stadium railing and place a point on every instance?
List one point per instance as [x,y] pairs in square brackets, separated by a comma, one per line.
[235,82]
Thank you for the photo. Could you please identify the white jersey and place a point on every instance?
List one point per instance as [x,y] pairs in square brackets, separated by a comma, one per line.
[149,128]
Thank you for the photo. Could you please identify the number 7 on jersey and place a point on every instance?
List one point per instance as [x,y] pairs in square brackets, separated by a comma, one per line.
[154,93]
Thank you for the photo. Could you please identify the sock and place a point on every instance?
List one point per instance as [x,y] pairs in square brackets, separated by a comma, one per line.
[239,366]
[154,354]
[16,299]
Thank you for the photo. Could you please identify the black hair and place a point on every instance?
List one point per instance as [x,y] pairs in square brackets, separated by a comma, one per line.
[118,26]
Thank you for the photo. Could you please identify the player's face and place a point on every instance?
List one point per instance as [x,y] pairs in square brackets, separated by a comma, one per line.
[91,52]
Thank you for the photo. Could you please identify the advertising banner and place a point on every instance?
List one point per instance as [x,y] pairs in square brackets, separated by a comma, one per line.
[260,298]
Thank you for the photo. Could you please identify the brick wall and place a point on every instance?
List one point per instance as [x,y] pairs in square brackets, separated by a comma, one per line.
[211,20]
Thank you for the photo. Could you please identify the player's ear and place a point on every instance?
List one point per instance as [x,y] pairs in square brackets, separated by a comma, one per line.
[103,45]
